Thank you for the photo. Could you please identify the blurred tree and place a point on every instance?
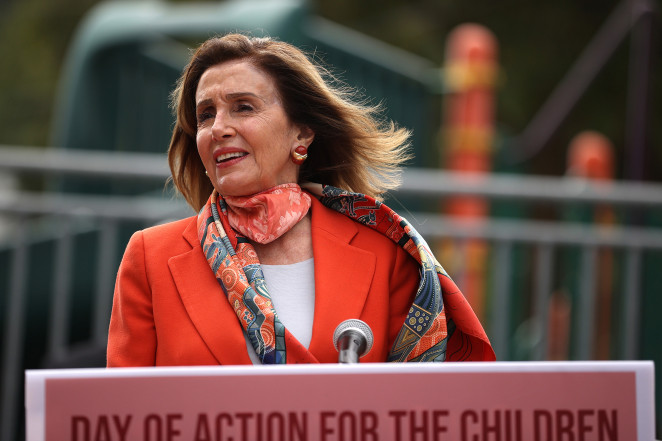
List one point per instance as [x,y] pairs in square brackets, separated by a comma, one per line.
[33,40]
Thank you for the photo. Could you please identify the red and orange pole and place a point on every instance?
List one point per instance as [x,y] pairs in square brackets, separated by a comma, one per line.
[591,156]
[468,130]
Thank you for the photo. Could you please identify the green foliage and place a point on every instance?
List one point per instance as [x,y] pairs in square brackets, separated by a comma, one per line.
[33,40]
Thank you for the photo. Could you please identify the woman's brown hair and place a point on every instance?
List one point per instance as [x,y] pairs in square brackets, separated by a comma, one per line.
[353,148]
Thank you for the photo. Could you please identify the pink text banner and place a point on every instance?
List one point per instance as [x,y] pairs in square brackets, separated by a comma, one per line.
[549,401]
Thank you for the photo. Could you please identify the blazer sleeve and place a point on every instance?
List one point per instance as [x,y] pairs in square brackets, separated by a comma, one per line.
[403,287]
[132,334]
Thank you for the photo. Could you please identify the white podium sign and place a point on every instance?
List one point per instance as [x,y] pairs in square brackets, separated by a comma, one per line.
[549,401]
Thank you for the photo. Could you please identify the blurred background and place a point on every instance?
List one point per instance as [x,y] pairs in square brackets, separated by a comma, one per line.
[536,178]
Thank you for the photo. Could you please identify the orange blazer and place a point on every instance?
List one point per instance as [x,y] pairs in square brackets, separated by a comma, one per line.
[169,309]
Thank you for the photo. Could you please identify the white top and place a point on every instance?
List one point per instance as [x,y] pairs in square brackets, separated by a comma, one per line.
[292,291]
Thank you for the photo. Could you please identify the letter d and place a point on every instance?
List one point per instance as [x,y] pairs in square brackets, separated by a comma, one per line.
[84,424]
[538,417]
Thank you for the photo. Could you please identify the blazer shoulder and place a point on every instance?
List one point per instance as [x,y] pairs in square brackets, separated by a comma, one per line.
[353,232]
[169,238]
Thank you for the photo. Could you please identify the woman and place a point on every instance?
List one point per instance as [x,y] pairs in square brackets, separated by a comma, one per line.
[255,118]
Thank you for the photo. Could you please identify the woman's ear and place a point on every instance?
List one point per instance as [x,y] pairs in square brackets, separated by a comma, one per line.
[305,136]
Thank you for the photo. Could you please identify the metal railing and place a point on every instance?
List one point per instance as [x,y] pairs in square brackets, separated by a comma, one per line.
[69,223]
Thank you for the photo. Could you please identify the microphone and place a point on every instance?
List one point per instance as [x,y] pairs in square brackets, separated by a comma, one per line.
[352,339]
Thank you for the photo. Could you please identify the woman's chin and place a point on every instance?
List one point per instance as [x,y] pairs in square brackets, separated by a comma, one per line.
[234,184]
[234,189]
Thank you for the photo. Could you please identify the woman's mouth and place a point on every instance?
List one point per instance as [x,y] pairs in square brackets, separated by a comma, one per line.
[226,157]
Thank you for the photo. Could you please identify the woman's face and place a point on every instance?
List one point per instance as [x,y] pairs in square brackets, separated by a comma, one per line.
[244,137]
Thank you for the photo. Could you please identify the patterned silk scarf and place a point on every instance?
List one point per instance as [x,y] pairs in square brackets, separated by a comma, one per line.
[440,324]
[265,216]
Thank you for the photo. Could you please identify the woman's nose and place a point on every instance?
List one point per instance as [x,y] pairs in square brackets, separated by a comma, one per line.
[222,128]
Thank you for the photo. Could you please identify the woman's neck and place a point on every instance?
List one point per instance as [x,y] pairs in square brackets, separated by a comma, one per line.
[294,246]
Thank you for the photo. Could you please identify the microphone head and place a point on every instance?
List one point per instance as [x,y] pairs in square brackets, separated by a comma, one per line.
[357,326]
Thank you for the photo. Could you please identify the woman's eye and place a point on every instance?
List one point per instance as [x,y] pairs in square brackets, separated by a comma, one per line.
[204,116]
[243,107]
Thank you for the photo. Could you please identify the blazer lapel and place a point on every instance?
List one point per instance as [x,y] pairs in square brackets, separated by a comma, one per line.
[343,275]
[206,304]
